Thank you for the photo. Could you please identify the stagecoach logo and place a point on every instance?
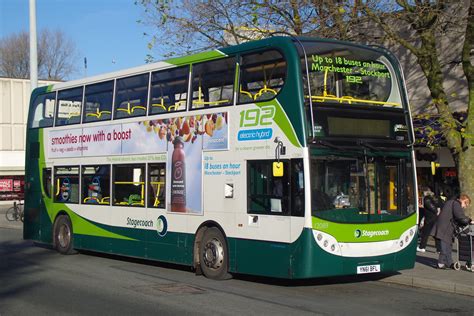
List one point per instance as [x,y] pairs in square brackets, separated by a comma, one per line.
[370,233]
[161,226]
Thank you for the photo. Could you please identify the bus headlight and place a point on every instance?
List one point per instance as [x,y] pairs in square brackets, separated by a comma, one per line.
[327,242]
[406,238]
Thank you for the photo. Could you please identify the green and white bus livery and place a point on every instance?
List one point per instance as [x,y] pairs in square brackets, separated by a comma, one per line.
[283,157]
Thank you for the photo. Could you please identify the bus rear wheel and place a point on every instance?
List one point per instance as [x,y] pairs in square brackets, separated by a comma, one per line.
[63,237]
[213,257]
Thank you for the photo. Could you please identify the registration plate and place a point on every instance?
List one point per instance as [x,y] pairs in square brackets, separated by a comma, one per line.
[372,268]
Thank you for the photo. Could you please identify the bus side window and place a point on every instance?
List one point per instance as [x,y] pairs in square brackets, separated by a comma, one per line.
[47,181]
[129,185]
[157,185]
[131,96]
[96,185]
[69,106]
[213,83]
[169,89]
[98,102]
[262,76]
[42,110]
[66,186]
[267,194]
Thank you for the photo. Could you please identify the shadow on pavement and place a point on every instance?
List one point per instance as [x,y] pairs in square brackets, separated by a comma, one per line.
[20,262]
[427,261]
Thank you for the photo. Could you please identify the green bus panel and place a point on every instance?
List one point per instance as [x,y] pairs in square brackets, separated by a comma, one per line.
[304,259]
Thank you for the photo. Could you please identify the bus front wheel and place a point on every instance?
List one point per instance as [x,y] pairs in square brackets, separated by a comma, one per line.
[213,257]
[63,237]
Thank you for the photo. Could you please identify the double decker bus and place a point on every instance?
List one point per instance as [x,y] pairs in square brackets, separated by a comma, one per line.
[284,157]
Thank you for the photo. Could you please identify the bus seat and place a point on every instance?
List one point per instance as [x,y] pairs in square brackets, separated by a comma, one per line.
[46,122]
[74,119]
[135,199]
[138,110]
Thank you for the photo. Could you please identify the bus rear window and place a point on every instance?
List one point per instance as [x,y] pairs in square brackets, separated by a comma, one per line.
[42,110]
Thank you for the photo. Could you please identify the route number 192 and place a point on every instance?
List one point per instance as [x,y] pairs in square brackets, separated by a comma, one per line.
[255,117]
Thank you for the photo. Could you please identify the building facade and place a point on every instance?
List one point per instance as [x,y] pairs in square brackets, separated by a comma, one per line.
[14,101]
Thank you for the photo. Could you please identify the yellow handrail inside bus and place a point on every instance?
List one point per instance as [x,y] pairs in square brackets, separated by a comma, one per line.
[57,186]
[176,105]
[350,100]
[91,198]
[200,101]
[129,110]
[245,93]
[157,200]
[263,90]
[98,113]
[161,104]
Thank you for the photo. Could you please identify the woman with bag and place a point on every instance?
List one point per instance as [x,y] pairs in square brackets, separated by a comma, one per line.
[453,211]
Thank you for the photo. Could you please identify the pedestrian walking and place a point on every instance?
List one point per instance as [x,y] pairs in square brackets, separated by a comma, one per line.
[452,214]
[432,205]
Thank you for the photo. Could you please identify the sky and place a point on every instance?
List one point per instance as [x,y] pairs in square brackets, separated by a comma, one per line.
[106,32]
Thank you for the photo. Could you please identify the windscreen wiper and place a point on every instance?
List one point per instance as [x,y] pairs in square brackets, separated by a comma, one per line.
[369,146]
[328,144]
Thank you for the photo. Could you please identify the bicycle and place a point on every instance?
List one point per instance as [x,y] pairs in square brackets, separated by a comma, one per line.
[15,212]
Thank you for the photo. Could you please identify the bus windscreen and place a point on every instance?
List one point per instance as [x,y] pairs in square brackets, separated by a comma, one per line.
[349,75]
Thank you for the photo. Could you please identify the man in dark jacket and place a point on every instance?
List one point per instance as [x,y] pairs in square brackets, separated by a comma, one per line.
[451,214]
[432,205]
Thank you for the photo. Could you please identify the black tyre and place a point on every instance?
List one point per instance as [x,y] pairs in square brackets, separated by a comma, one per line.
[213,256]
[11,214]
[63,236]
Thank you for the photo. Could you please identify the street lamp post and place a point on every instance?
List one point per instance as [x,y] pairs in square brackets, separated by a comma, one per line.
[33,47]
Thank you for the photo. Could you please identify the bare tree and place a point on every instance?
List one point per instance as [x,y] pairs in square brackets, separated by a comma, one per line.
[14,56]
[440,34]
[189,26]
[436,36]
[57,55]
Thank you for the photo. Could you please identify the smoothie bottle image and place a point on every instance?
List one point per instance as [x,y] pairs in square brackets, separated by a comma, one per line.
[178,177]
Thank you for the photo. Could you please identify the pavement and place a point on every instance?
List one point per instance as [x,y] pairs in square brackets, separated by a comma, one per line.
[423,275]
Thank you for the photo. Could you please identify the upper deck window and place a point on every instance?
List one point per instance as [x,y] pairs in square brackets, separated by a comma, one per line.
[131,96]
[69,106]
[43,110]
[213,83]
[262,76]
[98,102]
[349,75]
[169,89]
